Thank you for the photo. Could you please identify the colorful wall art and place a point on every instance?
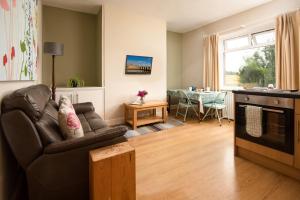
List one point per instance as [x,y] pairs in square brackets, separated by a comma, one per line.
[18,40]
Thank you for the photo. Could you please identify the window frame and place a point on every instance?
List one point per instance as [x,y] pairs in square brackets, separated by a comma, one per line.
[251,45]
[265,31]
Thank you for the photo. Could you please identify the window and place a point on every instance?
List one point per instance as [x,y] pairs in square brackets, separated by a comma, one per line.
[249,61]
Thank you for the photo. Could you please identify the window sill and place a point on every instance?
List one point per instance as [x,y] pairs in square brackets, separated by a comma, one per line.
[230,88]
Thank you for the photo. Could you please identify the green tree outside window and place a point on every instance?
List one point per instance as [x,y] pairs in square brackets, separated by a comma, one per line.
[259,69]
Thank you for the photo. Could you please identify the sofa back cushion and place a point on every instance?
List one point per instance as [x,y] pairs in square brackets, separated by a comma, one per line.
[31,100]
[48,126]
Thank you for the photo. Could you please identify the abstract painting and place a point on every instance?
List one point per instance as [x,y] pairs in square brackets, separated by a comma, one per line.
[138,64]
[18,40]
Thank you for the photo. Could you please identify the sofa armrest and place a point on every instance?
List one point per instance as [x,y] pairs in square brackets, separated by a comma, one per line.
[22,137]
[100,135]
[64,166]
[83,107]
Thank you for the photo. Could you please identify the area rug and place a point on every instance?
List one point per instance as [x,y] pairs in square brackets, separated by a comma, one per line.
[142,130]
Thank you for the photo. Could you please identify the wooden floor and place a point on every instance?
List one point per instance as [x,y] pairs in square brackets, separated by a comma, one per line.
[196,161]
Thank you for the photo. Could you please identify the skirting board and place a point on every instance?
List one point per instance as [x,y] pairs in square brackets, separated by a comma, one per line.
[116,121]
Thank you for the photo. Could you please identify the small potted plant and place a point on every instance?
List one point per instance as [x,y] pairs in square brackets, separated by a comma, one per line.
[75,82]
[142,94]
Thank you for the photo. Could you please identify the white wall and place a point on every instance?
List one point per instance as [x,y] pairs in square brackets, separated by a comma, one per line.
[174,60]
[192,41]
[6,88]
[126,33]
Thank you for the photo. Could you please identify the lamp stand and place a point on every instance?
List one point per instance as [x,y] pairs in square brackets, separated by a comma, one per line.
[53,78]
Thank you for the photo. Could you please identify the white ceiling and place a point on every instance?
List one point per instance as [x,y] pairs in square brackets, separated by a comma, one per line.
[181,15]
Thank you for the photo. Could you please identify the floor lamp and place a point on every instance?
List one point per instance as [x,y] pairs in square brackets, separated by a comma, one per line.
[54,49]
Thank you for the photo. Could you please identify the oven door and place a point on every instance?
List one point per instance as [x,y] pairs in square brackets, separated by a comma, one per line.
[277,126]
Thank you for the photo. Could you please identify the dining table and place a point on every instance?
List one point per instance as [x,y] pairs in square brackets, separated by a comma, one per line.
[201,97]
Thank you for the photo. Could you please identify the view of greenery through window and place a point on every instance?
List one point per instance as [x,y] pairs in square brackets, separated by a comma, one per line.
[259,68]
[250,60]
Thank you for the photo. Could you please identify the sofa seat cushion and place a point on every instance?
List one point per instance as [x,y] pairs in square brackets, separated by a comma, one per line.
[95,121]
[109,132]
[91,121]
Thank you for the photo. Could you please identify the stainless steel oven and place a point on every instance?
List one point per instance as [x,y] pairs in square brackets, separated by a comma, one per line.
[277,121]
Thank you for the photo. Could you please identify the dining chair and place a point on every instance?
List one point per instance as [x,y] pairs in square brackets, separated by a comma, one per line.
[216,105]
[186,103]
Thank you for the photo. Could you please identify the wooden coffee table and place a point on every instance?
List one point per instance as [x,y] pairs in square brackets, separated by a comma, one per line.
[131,113]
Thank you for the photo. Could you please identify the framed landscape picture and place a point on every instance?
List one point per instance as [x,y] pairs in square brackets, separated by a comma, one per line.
[138,64]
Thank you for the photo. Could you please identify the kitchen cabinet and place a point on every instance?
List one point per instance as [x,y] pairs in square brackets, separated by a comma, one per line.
[281,109]
[84,94]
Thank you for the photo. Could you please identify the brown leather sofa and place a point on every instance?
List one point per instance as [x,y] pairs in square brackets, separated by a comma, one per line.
[55,168]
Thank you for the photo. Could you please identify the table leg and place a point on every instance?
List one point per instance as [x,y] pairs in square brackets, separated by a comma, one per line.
[126,114]
[154,112]
[164,114]
[199,113]
[134,120]
[169,103]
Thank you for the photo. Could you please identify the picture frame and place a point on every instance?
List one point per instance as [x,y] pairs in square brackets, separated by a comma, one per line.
[138,64]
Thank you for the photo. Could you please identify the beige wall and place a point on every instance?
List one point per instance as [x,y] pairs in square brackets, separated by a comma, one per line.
[78,32]
[192,41]
[126,33]
[6,170]
[174,60]
[99,48]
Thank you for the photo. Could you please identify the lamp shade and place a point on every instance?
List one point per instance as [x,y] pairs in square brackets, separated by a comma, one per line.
[54,48]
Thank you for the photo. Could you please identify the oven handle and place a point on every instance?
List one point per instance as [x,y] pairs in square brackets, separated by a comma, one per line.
[266,109]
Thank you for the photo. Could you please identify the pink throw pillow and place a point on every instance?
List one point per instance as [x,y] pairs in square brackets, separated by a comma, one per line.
[69,123]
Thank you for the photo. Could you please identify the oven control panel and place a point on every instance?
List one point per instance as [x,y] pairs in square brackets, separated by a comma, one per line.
[265,101]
